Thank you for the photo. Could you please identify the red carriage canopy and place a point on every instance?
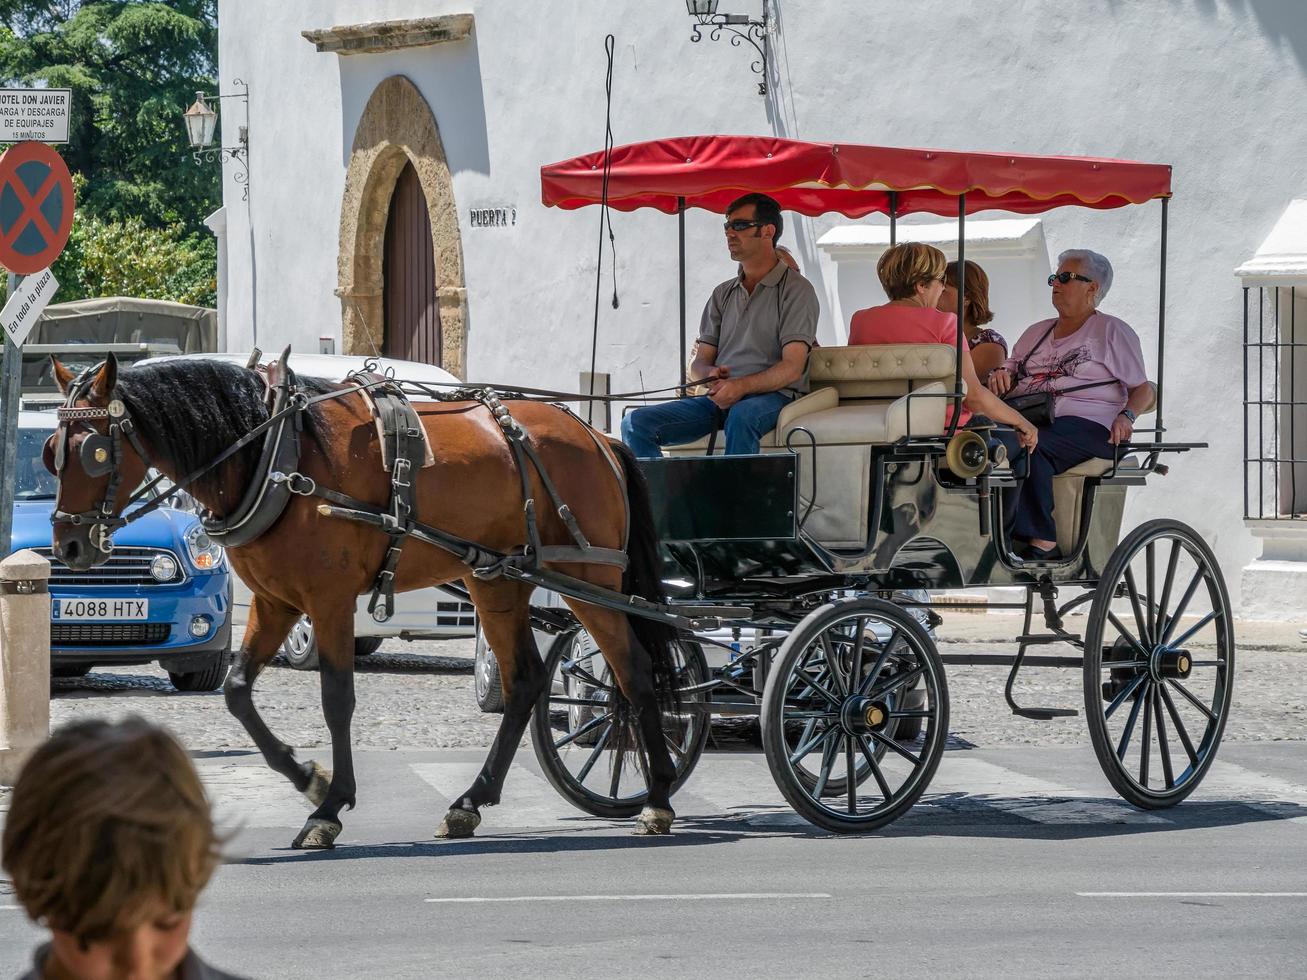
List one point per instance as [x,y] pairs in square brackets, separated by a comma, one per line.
[816,178]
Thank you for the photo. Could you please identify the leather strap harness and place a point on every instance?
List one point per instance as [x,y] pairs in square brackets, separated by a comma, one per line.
[404,451]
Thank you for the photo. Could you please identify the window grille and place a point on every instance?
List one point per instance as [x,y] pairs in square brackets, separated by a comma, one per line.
[1275,403]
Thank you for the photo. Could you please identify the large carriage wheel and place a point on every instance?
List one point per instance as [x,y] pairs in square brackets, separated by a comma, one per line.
[1159,664]
[833,707]
[578,720]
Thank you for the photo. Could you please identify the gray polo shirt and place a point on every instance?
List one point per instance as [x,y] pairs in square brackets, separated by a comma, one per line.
[749,330]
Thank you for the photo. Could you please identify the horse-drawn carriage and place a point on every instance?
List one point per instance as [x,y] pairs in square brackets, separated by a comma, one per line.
[864,489]
[788,559]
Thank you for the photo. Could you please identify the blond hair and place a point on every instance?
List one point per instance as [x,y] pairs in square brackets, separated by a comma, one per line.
[903,266]
[107,818]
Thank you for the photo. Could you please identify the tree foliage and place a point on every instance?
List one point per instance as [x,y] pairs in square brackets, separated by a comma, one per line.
[133,66]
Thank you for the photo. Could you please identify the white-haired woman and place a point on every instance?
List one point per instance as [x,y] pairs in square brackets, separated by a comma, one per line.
[1093,366]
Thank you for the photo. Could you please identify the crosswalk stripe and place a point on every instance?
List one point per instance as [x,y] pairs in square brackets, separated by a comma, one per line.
[740,788]
[528,799]
[252,796]
[1029,797]
[1262,792]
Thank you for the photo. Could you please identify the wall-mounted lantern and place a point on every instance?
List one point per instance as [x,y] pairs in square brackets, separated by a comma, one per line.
[201,121]
[741,27]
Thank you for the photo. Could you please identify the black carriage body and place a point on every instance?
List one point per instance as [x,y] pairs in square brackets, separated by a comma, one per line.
[732,529]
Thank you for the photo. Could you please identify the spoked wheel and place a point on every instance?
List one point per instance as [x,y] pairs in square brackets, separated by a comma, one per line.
[581,719]
[833,708]
[1159,664]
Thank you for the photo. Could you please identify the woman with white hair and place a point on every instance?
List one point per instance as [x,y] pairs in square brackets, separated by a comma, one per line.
[1092,367]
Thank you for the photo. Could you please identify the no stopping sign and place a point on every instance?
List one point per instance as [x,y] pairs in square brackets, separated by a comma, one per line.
[36,207]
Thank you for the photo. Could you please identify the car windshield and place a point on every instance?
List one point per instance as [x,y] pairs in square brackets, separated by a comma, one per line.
[34,481]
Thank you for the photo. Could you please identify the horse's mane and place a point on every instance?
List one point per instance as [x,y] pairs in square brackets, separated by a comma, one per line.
[189,410]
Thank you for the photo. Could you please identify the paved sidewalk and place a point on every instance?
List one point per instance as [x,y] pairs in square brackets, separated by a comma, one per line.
[971,626]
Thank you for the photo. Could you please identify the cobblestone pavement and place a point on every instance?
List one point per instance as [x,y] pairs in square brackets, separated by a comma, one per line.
[419,695]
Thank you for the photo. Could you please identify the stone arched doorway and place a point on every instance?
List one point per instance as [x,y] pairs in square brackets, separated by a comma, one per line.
[397,129]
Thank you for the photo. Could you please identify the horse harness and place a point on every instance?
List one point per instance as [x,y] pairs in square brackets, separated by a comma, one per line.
[404,450]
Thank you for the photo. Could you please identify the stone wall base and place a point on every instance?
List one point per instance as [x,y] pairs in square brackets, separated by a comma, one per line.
[1275,591]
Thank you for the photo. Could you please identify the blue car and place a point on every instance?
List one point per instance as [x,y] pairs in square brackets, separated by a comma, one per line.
[164,595]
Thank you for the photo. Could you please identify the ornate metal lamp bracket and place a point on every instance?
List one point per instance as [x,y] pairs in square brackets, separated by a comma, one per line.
[240,154]
[742,29]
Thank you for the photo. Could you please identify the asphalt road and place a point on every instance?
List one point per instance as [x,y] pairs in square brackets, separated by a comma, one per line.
[1000,872]
[1019,861]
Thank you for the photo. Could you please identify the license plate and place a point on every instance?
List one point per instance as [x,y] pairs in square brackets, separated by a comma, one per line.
[95,610]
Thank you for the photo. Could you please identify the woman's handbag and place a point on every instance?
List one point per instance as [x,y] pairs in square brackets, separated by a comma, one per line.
[1039,408]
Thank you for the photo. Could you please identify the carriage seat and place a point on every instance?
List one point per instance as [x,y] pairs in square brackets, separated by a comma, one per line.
[1069,490]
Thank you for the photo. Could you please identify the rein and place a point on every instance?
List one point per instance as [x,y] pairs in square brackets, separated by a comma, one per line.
[102,453]
[97,459]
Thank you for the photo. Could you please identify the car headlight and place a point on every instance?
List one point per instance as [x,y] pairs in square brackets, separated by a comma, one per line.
[163,568]
[205,554]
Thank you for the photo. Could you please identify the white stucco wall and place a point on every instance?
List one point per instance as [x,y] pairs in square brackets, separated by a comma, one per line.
[1187,82]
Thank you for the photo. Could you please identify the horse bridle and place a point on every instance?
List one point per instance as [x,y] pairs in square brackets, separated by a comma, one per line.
[100,454]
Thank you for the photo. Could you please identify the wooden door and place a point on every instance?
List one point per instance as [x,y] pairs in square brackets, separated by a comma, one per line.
[412,328]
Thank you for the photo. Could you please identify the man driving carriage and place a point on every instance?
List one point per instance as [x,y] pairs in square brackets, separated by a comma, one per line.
[754,338]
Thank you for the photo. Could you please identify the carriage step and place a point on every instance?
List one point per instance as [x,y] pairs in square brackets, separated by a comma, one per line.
[1044,714]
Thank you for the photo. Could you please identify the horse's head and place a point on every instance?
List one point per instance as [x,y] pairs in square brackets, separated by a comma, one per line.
[96,457]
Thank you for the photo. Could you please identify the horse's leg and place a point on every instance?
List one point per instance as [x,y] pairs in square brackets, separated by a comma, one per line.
[632,667]
[504,614]
[334,629]
[269,623]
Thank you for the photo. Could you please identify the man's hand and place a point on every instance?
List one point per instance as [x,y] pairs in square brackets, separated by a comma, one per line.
[1028,437]
[726,392]
[1122,430]
[717,372]
[1000,381]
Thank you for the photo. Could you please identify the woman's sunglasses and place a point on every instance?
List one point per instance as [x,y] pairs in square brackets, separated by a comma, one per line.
[1066,277]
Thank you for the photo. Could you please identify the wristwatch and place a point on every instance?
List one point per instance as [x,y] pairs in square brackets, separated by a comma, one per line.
[1128,414]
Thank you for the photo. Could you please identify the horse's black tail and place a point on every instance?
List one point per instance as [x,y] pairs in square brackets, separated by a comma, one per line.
[643,578]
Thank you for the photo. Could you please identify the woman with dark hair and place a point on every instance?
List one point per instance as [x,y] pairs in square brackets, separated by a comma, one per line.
[988,348]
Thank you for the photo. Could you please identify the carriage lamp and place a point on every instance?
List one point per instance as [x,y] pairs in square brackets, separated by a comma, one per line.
[163,568]
[741,28]
[201,121]
[200,626]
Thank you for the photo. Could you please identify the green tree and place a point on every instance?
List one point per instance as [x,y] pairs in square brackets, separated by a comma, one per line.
[133,66]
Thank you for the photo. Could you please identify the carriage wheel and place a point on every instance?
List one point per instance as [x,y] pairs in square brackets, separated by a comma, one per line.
[839,680]
[577,721]
[1159,664]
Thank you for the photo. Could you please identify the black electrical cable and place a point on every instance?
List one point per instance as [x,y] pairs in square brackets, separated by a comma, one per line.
[605,219]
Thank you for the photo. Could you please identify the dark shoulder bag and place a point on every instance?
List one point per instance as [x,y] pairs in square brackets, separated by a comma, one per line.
[1037,407]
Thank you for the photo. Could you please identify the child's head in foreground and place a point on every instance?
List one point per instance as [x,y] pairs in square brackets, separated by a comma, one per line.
[108,842]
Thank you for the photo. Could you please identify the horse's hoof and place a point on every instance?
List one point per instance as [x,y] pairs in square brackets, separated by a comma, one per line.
[319,782]
[317,835]
[458,823]
[654,821]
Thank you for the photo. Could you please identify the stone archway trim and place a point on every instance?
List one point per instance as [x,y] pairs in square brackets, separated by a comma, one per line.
[397,127]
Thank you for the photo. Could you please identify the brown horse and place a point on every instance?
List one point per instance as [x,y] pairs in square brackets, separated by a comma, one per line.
[182,414]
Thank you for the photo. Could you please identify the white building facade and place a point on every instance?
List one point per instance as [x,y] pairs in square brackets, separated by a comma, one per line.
[373,123]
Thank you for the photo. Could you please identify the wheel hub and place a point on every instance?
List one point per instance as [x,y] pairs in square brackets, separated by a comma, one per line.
[1166,662]
[862,715]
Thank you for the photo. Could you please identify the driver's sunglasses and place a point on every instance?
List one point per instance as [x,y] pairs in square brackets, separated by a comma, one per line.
[743,224]
[1066,277]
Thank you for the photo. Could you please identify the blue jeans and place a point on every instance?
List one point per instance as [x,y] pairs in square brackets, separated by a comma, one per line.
[1068,442]
[648,429]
